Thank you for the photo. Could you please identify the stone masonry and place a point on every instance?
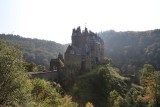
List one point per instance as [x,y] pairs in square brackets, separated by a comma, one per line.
[85,51]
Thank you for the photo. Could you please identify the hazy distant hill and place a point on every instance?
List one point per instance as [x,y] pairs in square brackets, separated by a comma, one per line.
[35,50]
[130,50]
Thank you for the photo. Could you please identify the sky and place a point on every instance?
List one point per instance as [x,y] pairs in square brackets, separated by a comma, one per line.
[54,19]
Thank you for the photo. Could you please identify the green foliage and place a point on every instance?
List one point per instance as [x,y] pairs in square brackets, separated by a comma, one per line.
[150,82]
[41,68]
[147,68]
[131,50]
[119,102]
[31,67]
[96,86]
[112,97]
[45,95]
[92,87]
[104,86]
[101,87]
[147,75]
[157,88]
[15,88]
[38,51]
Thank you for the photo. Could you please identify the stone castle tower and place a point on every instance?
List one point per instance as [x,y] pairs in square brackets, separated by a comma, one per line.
[85,51]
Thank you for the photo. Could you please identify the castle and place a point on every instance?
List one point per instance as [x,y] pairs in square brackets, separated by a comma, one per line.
[85,51]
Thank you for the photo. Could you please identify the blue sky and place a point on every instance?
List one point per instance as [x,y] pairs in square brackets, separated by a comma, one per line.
[55,19]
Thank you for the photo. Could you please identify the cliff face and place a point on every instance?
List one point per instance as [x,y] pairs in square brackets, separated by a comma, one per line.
[85,51]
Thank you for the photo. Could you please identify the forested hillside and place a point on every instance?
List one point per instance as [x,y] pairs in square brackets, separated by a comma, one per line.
[18,90]
[35,50]
[128,50]
[131,50]
[103,86]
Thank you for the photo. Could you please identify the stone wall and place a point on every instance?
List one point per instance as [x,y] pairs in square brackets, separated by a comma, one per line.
[49,75]
[72,60]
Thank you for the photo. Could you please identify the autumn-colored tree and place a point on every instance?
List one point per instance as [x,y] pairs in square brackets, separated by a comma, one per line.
[148,82]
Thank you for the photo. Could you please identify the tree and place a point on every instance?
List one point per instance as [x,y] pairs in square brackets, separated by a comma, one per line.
[147,75]
[31,67]
[15,87]
[157,89]
[116,100]
[150,82]
[41,68]
[45,95]
[112,97]
[17,90]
